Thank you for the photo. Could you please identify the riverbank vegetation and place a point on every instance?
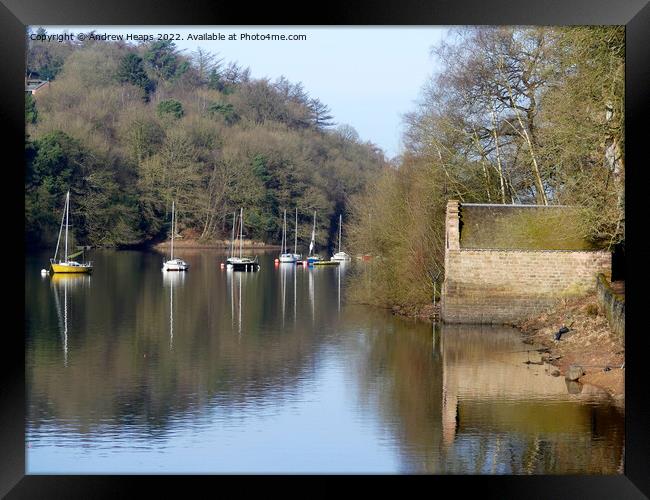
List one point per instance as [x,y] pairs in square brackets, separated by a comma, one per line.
[129,127]
[528,115]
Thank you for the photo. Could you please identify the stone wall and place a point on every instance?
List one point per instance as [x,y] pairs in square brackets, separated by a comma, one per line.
[503,286]
[612,305]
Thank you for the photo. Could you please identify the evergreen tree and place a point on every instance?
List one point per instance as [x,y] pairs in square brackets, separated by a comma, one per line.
[131,70]
[31,115]
[170,107]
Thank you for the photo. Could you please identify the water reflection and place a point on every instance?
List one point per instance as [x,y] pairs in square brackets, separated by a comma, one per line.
[212,372]
[472,405]
[172,280]
[289,273]
[60,285]
[311,294]
[239,284]
[495,398]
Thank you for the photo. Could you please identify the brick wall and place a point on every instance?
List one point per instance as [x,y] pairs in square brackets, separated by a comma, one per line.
[502,286]
[612,305]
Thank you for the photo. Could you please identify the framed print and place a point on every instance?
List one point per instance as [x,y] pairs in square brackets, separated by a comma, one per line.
[386,240]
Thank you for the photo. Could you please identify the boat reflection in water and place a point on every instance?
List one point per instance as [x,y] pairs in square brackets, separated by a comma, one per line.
[289,274]
[311,294]
[61,284]
[236,282]
[340,271]
[172,281]
[323,275]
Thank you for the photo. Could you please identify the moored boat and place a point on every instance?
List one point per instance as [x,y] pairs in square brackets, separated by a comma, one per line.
[340,255]
[327,263]
[174,264]
[242,263]
[285,256]
[312,258]
[67,265]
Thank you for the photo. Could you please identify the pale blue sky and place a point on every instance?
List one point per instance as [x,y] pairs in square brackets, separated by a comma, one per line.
[369,77]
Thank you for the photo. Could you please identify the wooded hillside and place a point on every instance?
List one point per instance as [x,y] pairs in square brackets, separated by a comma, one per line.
[129,128]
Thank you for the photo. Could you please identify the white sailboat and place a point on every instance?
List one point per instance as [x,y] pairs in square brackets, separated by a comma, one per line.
[242,263]
[67,265]
[313,257]
[174,264]
[340,256]
[285,256]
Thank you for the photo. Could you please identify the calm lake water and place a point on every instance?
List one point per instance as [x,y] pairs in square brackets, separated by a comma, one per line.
[134,371]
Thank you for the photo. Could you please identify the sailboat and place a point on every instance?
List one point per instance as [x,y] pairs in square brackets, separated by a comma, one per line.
[340,256]
[297,256]
[243,263]
[286,257]
[174,264]
[313,257]
[67,265]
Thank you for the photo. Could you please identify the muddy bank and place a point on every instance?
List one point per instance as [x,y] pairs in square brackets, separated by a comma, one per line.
[589,343]
[423,312]
[219,244]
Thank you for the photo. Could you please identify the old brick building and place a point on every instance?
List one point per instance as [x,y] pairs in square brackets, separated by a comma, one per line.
[503,262]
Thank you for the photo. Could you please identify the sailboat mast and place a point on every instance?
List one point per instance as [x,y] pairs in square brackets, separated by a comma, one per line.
[232,241]
[340,222]
[58,240]
[241,229]
[313,235]
[172,253]
[67,213]
[295,242]
[284,234]
[282,240]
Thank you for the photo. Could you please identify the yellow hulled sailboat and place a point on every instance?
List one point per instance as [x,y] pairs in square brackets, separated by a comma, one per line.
[67,265]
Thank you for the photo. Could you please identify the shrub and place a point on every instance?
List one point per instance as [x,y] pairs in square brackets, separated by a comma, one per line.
[170,107]
[591,309]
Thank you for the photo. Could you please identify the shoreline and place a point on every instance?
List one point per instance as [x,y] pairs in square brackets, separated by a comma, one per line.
[426,312]
[589,343]
[215,244]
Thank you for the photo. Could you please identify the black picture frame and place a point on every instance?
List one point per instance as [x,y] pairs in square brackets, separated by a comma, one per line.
[15,15]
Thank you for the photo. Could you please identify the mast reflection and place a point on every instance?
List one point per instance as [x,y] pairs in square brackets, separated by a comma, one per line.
[172,280]
[283,289]
[311,292]
[60,284]
[236,282]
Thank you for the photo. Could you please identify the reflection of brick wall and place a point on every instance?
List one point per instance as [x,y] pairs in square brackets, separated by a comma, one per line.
[501,286]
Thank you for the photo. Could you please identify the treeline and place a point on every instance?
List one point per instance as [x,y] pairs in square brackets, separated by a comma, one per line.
[530,115]
[129,128]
